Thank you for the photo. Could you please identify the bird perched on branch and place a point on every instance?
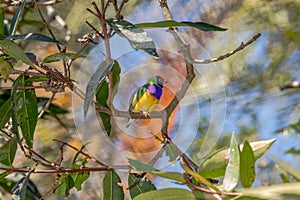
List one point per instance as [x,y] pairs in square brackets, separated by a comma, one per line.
[147,97]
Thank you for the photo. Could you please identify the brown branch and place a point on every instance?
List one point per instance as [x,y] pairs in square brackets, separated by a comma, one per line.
[22,87]
[83,153]
[52,171]
[222,57]
[47,25]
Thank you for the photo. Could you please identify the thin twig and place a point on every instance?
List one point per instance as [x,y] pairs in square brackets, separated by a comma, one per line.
[52,171]
[46,106]
[22,87]
[222,57]
[83,153]
[47,25]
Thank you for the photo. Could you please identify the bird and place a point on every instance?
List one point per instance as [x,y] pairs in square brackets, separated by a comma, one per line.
[146,97]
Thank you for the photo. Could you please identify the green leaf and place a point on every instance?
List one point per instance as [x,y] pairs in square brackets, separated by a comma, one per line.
[1,23]
[286,167]
[102,95]
[38,79]
[198,177]
[247,166]
[136,36]
[91,88]
[111,188]
[16,19]
[14,51]
[231,177]
[172,153]
[276,192]
[79,179]
[171,23]
[139,185]
[8,152]
[32,36]
[19,190]
[214,165]
[66,184]
[5,110]
[4,69]
[139,166]
[169,175]
[62,57]
[293,151]
[167,194]
[27,111]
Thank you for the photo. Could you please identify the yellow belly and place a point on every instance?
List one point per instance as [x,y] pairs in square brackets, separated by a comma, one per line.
[147,103]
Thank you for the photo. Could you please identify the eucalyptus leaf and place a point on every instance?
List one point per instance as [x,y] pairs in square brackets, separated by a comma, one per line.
[16,19]
[231,177]
[5,110]
[176,176]
[139,185]
[167,194]
[32,36]
[111,187]
[275,192]
[136,36]
[138,165]
[1,23]
[247,166]
[62,57]
[172,153]
[102,95]
[8,152]
[19,190]
[91,88]
[14,51]
[27,111]
[171,23]
[214,165]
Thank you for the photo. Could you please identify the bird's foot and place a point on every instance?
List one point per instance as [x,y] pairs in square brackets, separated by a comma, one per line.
[146,114]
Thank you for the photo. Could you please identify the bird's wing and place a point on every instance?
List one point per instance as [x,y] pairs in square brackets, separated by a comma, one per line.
[137,95]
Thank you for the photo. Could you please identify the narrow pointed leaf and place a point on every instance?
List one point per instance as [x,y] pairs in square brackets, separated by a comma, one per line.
[286,167]
[171,23]
[1,23]
[8,152]
[200,179]
[4,69]
[231,177]
[66,184]
[19,190]
[139,185]
[14,51]
[138,165]
[27,111]
[247,166]
[111,187]
[172,153]
[167,194]
[102,96]
[214,165]
[63,57]
[91,88]
[136,36]
[32,36]
[176,176]
[16,19]
[278,192]
[5,110]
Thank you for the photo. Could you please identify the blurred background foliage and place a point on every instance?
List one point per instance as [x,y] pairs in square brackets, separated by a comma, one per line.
[256,109]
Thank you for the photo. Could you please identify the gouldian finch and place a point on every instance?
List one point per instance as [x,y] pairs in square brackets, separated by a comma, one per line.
[147,97]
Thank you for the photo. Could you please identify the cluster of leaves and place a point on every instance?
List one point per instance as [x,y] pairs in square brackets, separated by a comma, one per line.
[234,164]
